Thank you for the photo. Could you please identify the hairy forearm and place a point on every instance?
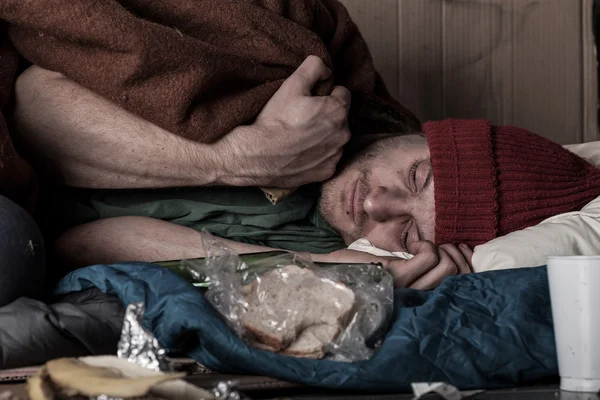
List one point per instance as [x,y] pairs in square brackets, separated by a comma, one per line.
[81,139]
[147,239]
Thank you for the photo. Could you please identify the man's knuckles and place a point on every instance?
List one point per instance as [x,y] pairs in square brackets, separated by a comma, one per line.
[447,266]
[345,136]
[426,253]
[312,69]
[327,171]
[341,97]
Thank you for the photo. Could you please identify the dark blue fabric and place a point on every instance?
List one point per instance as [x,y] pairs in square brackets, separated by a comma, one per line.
[485,330]
[22,255]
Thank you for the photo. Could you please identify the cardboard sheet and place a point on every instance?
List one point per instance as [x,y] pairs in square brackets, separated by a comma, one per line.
[529,63]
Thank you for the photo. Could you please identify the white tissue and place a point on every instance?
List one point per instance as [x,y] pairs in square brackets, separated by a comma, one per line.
[365,246]
[447,391]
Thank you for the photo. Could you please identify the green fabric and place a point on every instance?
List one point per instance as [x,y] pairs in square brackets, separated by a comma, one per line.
[241,214]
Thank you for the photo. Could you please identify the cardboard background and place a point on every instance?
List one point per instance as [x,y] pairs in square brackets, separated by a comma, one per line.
[529,63]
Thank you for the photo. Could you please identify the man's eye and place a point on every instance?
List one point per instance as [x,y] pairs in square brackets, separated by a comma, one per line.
[413,175]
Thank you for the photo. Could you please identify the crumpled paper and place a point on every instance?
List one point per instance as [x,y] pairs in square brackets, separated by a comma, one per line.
[445,390]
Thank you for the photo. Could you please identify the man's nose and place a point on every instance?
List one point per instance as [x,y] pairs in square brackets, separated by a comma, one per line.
[381,204]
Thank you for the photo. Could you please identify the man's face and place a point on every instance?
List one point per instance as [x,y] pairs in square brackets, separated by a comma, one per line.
[385,194]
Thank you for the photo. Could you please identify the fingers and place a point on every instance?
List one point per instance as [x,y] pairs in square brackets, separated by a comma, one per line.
[311,71]
[322,173]
[405,272]
[342,95]
[435,276]
[457,256]
[467,254]
[424,251]
[430,265]
[330,166]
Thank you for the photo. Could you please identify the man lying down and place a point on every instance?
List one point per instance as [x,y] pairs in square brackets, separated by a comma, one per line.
[513,196]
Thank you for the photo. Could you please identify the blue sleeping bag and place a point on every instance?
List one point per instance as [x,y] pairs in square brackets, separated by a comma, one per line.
[483,331]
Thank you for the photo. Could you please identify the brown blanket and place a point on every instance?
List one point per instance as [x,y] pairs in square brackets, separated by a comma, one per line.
[17,180]
[199,68]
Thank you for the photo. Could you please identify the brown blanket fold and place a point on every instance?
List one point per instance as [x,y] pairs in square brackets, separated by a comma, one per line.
[199,68]
[17,180]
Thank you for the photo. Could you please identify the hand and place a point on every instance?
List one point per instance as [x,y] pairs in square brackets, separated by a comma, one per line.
[296,139]
[430,265]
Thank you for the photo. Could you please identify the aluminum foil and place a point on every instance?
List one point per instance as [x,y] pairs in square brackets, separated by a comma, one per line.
[224,391]
[139,346]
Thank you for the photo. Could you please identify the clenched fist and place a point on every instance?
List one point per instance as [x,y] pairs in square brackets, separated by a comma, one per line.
[430,265]
[297,138]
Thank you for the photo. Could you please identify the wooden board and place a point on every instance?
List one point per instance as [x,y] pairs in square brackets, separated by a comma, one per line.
[529,63]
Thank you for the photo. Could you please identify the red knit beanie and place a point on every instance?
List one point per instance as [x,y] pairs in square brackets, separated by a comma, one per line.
[493,180]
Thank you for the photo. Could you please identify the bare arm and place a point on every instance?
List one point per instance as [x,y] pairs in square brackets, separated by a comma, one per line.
[84,140]
[81,139]
[146,239]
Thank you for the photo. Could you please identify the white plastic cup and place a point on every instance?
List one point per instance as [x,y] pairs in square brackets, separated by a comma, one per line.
[574,291]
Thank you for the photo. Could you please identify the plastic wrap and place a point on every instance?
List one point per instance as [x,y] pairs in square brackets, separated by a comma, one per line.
[287,304]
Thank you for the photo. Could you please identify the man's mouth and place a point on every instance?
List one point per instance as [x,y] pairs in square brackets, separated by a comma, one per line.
[353,204]
[358,201]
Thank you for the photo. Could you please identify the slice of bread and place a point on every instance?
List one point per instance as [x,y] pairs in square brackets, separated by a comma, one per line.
[312,341]
[292,306]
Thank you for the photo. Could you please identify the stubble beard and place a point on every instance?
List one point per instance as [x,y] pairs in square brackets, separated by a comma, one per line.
[332,199]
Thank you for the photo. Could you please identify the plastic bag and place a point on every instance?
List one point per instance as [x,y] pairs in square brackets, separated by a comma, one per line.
[287,304]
